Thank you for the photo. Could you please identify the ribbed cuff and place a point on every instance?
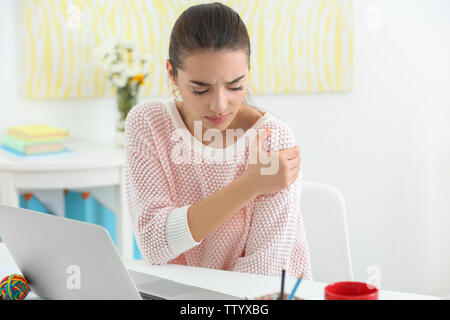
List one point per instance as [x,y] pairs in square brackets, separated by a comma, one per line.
[179,235]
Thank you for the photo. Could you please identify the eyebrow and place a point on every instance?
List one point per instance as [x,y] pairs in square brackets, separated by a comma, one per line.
[203,84]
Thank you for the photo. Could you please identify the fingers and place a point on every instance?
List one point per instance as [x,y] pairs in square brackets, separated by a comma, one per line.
[294,162]
[295,172]
[291,153]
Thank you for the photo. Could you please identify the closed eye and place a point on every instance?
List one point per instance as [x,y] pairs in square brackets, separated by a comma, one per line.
[240,88]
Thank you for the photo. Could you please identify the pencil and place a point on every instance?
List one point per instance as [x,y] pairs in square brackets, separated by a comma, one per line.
[299,279]
[283,275]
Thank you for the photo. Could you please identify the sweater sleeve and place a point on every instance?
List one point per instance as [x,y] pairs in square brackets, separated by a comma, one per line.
[160,227]
[277,237]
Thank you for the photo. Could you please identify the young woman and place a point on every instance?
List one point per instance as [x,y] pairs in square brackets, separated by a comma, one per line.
[190,206]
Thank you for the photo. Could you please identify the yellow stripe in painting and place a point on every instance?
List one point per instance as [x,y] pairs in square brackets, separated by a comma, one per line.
[325,47]
[276,50]
[140,32]
[71,64]
[350,33]
[111,22]
[163,7]
[30,46]
[317,44]
[80,54]
[37,87]
[307,51]
[292,53]
[338,48]
[139,23]
[106,27]
[99,12]
[151,40]
[261,52]
[59,37]
[47,54]
[127,17]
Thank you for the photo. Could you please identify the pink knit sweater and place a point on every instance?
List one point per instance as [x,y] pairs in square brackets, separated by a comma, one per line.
[168,170]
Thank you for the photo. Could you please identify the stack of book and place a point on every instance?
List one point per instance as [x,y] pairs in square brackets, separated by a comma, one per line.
[34,140]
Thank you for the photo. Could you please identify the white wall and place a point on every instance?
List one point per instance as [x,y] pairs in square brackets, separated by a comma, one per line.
[385,145]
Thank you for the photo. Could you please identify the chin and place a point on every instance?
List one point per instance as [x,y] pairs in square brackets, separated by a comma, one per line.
[221,126]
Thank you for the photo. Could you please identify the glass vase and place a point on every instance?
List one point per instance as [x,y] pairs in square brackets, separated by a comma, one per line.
[126,99]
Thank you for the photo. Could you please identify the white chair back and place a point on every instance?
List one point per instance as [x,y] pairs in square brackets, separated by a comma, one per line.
[325,222]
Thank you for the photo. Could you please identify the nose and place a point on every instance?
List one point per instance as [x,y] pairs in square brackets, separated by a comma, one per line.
[219,103]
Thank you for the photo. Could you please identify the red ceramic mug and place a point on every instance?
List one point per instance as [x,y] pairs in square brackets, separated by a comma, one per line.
[350,290]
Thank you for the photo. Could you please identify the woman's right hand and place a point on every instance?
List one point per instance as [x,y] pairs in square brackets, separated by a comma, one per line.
[271,172]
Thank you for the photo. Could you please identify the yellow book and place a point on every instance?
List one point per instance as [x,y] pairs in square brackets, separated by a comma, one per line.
[37,132]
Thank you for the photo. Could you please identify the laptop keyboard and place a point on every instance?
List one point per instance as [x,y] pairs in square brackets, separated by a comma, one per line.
[155,288]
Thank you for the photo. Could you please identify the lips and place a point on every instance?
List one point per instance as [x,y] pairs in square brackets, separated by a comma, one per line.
[218,120]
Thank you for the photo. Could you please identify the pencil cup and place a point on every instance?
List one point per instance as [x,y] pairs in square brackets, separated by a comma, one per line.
[276,296]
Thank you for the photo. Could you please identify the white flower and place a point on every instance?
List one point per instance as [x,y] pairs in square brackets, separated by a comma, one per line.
[133,71]
[110,58]
[119,80]
[121,59]
[119,67]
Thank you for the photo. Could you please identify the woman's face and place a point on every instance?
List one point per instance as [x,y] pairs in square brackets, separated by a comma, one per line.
[212,85]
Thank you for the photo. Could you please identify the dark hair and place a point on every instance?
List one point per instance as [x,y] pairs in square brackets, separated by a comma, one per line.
[210,26]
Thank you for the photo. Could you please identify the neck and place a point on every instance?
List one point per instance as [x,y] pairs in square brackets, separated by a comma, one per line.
[237,123]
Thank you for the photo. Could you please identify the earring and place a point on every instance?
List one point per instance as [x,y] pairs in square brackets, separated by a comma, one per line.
[175,91]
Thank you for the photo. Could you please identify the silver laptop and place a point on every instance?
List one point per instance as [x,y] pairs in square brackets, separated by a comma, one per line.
[67,259]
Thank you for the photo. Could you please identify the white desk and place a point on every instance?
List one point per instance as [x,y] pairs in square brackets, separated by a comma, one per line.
[248,285]
[234,283]
[95,165]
